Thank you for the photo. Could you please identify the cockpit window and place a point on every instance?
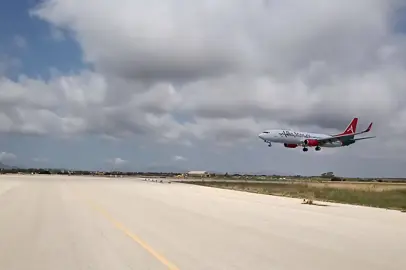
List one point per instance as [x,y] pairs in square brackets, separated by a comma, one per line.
[265,132]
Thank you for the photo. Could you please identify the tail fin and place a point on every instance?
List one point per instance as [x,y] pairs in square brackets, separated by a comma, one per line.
[351,128]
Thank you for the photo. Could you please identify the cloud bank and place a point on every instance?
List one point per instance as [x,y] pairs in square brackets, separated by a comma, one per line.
[218,71]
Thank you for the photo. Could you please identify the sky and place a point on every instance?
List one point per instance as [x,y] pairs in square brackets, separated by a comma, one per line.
[136,85]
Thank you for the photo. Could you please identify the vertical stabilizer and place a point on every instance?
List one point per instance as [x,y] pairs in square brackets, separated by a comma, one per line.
[351,128]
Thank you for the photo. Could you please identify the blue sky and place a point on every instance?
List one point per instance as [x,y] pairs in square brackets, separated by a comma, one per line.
[140,91]
[38,57]
[43,52]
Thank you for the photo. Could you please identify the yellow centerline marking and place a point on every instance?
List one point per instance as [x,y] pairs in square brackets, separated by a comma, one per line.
[133,236]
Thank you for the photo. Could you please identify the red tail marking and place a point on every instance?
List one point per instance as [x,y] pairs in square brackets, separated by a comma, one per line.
[352,127]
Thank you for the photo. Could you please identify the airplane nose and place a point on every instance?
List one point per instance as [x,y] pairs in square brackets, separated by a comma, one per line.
[261,136]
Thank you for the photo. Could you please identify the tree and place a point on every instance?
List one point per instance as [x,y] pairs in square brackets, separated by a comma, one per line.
[327,175]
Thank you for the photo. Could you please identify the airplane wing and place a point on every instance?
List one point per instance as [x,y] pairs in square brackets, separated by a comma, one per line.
[338,137]
[364,138]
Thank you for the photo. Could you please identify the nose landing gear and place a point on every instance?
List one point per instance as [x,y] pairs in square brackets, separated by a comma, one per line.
[268,142]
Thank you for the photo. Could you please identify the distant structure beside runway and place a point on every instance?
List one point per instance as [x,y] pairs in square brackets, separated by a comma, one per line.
[198,173]
[194,174]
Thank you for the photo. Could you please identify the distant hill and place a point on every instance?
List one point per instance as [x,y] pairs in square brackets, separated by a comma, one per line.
[4,166]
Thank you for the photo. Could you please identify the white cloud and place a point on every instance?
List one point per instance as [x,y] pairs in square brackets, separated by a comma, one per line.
[40,159]
[20,41]
[117,161]
[8,63]
[220,71]
[179,158]
[4,156]
[57,34]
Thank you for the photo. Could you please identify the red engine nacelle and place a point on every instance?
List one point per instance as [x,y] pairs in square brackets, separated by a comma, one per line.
[311,142]
[290,145]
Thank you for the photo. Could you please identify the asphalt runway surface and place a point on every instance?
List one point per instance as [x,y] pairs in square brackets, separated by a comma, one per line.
[62,222]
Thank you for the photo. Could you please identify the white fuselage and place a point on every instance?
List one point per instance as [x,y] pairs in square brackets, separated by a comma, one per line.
[294,137]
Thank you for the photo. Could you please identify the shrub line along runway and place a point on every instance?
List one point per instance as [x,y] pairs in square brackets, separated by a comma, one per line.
[62,222]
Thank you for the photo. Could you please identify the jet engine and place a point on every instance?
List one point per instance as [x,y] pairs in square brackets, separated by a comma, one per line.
[311,142]
[288,145]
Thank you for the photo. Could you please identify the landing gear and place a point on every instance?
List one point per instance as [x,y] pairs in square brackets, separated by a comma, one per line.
[305,149]
[269,144]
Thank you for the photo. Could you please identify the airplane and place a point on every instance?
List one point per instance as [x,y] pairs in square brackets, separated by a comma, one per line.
[293,139]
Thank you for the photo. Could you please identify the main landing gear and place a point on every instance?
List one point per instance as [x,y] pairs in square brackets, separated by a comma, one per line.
[305,149]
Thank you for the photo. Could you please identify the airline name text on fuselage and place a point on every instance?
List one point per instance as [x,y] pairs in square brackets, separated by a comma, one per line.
[288,133]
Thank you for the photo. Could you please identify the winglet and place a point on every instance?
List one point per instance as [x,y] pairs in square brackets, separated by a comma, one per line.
[369,128]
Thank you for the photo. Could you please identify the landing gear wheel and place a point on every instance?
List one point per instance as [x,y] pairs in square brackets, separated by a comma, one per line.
[318,148]
[269,145]
[305,149]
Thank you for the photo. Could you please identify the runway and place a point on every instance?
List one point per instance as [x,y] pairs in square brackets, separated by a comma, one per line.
[69,222]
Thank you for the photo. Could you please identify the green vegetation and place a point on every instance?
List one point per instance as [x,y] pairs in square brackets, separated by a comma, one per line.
[382,195]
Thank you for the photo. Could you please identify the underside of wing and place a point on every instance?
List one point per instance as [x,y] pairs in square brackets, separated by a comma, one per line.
[364,138]
[334,138]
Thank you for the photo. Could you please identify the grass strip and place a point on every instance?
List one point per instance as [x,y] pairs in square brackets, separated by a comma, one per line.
[374,195]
